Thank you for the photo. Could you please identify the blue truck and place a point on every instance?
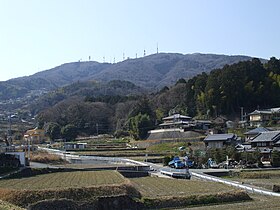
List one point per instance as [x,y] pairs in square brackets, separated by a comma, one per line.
[176,163]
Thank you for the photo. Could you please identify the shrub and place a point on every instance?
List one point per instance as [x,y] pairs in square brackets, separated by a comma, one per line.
[275,159]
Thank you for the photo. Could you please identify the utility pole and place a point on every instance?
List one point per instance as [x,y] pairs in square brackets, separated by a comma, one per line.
[242,115]
[97,129]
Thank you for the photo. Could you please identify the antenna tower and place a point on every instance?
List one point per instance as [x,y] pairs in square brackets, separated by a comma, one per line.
[157,48]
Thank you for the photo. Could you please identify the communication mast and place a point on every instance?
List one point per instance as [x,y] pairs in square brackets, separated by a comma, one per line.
[157,48]
[144,53]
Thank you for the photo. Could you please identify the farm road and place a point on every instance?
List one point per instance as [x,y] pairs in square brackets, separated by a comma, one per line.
[41,165]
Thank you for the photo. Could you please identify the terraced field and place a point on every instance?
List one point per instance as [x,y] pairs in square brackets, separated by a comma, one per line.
[258,202]
[264,179]
[156,187]
[64,180]
[7,206]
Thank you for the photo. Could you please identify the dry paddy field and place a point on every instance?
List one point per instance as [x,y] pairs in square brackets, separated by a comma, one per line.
[63,180]
[157,187]
[259,202]
[151,192]
[79,186]
[170,193]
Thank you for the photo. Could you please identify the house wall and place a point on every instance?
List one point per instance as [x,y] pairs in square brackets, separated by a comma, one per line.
[215,144]
[20,156]
[260,117]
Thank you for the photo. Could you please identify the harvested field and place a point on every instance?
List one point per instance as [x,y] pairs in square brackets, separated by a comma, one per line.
[122,153]
[260,174]
[64,180]
[258,202]
[155,187]
[77,186]
[165,193]
[263,179]
[7,206]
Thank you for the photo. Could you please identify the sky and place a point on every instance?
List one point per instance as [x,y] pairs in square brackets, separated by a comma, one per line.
[37,35]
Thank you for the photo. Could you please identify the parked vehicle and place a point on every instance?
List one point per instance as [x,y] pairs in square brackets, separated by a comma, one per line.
[176,163]
[212,163]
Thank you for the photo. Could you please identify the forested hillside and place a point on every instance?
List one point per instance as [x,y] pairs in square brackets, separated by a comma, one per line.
[152,72]
[247,84]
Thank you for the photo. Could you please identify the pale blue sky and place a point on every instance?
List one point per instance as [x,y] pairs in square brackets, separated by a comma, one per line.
[40,34]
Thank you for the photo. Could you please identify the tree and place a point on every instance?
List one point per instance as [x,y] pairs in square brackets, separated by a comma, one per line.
[275,159]
[140,125]
[69,132]
[53,130]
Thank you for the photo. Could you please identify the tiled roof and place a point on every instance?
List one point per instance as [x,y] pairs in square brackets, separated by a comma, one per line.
[260,112]
[176,116]
[265,111]
[219,137]
[267,136]
[256,131]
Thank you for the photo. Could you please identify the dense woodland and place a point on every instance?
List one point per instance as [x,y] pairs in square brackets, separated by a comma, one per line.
[248,84]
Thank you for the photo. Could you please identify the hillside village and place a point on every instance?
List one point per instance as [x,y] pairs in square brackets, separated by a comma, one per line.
[176,134]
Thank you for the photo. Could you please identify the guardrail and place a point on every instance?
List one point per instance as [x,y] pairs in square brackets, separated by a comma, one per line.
[247,188]
[70,157]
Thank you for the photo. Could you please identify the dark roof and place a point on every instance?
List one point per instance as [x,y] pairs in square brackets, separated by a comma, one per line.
[267,136]
[256,131]
[220,137]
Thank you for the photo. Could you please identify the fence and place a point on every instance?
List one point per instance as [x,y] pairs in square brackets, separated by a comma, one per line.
[247,188]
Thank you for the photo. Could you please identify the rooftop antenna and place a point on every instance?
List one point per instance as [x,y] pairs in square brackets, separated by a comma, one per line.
[157,48]
[144,53]
[88,58]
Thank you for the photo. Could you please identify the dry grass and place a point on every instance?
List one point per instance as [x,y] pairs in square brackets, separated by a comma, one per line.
[44,157]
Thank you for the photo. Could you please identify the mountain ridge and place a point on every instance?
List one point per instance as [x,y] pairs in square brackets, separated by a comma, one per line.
[152,72]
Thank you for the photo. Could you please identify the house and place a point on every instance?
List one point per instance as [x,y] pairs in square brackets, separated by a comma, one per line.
[262,117]
[265,142]
[220,121]
[35,136]
[176,121]
[77,145]
[203,124]
[249,135]
[220,140]
[176,126]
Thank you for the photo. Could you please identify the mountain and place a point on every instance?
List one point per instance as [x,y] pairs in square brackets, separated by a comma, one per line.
[152,72]
[110,92]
